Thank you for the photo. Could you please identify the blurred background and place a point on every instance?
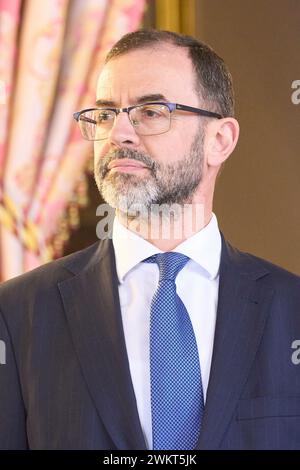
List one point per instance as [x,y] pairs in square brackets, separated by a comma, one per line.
[51,52]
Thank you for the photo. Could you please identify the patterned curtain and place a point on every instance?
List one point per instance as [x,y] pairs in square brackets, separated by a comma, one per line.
[51,52]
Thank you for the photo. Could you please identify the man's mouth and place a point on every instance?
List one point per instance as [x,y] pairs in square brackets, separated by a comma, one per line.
[127,165]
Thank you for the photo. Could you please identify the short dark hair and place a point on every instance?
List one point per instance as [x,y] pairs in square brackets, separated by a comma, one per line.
[213,79]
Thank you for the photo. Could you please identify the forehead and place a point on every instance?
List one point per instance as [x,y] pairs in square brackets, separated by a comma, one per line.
[165,70]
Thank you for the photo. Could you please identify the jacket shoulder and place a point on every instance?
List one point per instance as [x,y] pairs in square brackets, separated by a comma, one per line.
[249,262]
[48,274]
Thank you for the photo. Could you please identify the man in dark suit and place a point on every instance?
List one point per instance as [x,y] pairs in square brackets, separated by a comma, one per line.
[91,357]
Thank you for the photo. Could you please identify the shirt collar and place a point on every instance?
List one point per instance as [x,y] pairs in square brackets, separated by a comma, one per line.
[204,247]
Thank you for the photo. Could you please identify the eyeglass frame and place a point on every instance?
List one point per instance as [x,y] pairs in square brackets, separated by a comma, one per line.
[171,106]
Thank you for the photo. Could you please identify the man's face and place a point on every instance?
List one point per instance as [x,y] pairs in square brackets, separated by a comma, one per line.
[168,167]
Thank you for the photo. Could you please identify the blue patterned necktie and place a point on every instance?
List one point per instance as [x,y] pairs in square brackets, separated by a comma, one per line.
[176,387]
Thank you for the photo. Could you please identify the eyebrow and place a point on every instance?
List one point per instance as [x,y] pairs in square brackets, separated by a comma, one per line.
[139,100]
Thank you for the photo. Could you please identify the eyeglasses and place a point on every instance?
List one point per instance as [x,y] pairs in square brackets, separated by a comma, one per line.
[147,119]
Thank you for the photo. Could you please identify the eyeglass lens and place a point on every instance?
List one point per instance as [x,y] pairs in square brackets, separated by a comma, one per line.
[149,119]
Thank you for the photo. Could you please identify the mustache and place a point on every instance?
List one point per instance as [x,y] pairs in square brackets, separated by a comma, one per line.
[128,154]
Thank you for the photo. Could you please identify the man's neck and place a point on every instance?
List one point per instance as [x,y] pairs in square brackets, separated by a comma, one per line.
[169,229]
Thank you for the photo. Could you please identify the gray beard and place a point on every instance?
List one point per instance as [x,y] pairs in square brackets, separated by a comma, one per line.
[165,185]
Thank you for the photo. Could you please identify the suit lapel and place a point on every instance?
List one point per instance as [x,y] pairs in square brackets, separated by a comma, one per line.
[91,303]
[241,316]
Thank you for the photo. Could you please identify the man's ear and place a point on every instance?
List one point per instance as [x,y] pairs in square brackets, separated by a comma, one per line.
[221,139]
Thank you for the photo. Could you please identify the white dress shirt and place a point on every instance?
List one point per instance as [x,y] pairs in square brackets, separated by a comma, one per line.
[197,286]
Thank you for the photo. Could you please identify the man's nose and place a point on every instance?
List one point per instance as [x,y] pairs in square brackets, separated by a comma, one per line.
[123,132]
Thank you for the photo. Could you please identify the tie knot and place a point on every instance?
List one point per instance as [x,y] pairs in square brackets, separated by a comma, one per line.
[169,263]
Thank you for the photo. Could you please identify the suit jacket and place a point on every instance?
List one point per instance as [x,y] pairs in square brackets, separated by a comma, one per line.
[66,382]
